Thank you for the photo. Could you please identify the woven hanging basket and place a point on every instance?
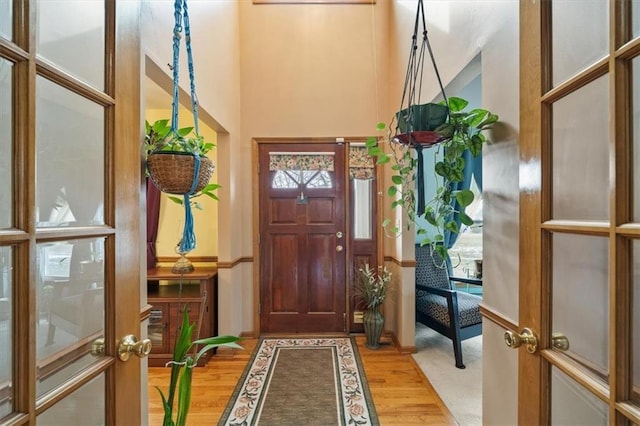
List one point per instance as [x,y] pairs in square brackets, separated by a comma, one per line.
[172,172]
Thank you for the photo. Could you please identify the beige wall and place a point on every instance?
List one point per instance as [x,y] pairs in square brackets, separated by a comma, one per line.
[308,71]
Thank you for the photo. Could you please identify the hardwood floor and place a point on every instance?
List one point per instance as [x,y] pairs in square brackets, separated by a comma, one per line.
[401,393]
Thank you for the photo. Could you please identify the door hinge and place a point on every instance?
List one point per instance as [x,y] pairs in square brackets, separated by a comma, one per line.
[259,238]
[344,322]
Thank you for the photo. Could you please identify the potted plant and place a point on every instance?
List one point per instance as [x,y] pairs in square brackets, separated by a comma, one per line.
[373,288]
[182,370]
[171,160]
[461,132]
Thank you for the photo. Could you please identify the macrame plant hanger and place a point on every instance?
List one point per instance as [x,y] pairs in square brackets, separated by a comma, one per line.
[181,14]
[417,124]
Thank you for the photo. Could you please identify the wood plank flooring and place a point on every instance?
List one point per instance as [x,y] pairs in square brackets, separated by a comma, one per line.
[401,393]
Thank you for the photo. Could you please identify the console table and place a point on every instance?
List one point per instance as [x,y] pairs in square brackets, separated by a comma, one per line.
[199,294]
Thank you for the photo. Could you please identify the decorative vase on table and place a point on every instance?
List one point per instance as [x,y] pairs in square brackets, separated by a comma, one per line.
[373,323]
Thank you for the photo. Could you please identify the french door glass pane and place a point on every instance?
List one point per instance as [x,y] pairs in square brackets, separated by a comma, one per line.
[580,36]
[571,404]
[70,157]
[580,299]
[635,17]
[70,308]
[77,24]
[580,153]
[635,90]
[6,16]
[635,323]
[84,407]
[6,169]
[6,315]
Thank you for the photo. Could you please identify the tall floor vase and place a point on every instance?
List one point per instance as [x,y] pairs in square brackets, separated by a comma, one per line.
[373,323]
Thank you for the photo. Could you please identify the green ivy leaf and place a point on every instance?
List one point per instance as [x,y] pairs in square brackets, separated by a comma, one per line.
[385,223]
[452,226]
[380,126]
[464,197]
[383,159]
[371,141]
[457,104]
[392,191]
[441,169]
[397,179]
[464,218]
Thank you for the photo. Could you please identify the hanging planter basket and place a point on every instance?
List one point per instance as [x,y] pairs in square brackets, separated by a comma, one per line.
[417,124]
[173,172]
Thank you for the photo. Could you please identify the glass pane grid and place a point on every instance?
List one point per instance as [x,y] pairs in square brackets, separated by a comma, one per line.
[71,35]
[580,299]
[6,18]
[580,153]
[6,325]
[70,308]
[6,144]
[635,325]
[70,158]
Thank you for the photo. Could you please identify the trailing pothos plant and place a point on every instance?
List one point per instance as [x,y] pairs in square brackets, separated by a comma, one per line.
[159,137]
[462,131]
[182,371]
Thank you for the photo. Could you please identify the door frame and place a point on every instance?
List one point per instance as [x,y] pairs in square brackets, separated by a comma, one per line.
[255,151]
[537,95]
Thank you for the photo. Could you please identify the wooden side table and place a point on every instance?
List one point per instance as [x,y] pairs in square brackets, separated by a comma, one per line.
[199,293]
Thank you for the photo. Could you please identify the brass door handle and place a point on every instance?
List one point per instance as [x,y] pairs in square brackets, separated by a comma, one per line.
[527,338]
[560,342]
[130,344]
[339,248]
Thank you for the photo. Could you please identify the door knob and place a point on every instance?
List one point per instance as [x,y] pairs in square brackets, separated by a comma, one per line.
[97,347]
[131,345]
[339,248]
[559,341]
[526,338]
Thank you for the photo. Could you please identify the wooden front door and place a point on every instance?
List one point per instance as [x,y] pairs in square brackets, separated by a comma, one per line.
[302,237]
[580,212]
[70,234]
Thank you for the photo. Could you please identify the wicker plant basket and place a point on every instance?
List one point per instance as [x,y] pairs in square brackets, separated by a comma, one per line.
[172,172]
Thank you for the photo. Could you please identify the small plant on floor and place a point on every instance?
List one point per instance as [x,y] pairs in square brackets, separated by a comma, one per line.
[182,370]
[373,287]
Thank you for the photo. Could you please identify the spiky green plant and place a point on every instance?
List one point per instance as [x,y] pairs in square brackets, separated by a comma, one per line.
[182,371]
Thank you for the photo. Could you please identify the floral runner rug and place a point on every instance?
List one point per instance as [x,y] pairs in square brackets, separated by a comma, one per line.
[302,381]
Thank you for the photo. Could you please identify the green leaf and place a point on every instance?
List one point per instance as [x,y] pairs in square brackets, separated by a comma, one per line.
[441,169]
[184,395]
[397,179]
[380,126]
[457,104]
[438,238]
[375,151]
[431,218]
[464,197]
[385,223]
[392,191]
[442,251]
[464,218]
[383,159]
[177,200]
[371,141]
[476,116]
[452,226]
